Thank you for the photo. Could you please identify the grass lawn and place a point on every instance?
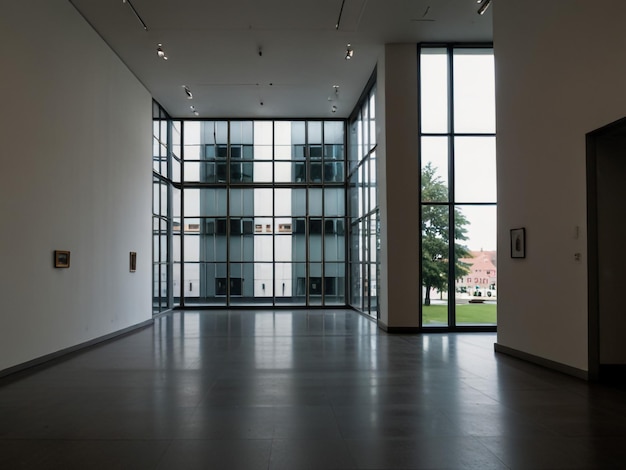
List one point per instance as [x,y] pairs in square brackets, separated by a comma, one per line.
[465,313]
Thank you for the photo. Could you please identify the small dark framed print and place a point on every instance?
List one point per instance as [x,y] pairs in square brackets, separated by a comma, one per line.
[133,261]
[61,259]
[518,243]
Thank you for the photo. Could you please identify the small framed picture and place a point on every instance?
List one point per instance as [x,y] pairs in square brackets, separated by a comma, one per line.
[518,243]
[61,259]
[133,261]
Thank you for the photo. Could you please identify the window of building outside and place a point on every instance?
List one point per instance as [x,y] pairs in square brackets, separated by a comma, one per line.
[458,186]
[364,257]
[263,213]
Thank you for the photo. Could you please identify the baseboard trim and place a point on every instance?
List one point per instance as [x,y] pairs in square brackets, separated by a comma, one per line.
[403,330]
[64,352]
[411,330]
[541,361]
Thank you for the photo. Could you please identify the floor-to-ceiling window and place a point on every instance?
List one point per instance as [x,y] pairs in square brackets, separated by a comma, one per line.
[165,169]
[263,213]
[458,186]
[363,206]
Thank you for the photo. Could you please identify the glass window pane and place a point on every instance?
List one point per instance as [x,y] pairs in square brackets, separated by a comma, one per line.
[263,201]
[282,133]
[298,202]
[315,284]
[315,132]
[373,188]
[315,239]
[435,242]
[334,283]
[353,195]
[315,202]
[475,169]
[263,247]
[476,281]
[316,170]
[156,196]
[192,248]
[205,202]
[334,240]
[356,286]
[334,202]
[284,245]
[263,133]
[474,91]
[191,132]
[264,282]
[176,284]
[355,243]
[263,172]
[434,90]
[242,202]
[434,169]
[298,135]
[205,283]
[299,239]
[283,202]
[287,172]
[290,283]
[373,139]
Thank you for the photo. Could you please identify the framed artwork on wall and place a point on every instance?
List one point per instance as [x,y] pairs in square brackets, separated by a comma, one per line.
[518,243]
[133,261]
[61,259]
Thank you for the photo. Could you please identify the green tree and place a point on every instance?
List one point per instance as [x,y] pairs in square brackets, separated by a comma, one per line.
[436,235]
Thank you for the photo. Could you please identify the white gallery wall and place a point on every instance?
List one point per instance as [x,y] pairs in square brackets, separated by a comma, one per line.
[560,73]
[76,164]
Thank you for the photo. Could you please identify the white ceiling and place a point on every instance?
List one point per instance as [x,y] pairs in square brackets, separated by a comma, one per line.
[213,48]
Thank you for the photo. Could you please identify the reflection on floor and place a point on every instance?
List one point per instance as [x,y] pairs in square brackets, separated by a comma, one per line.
[303,390]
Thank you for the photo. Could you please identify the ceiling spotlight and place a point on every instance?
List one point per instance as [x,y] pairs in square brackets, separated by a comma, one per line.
[349,52]
[187,92]
[334,109]
[161,52]
[483,7]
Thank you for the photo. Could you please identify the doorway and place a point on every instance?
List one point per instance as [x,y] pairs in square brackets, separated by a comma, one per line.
[606,226]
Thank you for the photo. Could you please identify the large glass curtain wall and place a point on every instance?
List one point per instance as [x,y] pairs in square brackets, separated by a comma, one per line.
[364,215]
[458,186]
[166,168]
[263,213]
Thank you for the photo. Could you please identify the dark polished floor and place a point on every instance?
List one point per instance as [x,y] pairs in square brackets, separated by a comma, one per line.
[303,390]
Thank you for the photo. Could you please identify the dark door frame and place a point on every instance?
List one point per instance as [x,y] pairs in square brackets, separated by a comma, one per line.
[593,274]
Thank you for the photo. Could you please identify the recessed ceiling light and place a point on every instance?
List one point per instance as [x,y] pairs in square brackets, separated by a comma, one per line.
[483,7]
[349,52]
[161,52]
[187,92]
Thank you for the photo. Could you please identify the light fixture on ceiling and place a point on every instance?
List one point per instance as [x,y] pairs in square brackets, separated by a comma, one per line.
[340,13]
[349,52]
[333,109]
[161,52]
[136,13]
[484,4]
[187,92]
[193,110]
